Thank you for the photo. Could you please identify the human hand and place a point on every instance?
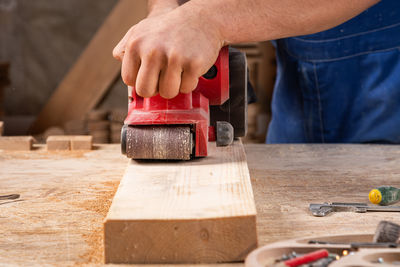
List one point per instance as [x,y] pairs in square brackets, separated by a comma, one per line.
[167,53]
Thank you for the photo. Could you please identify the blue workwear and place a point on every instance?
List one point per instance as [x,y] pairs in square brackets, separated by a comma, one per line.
[341,85]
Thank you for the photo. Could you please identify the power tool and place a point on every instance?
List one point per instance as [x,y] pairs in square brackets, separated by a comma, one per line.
[180,128]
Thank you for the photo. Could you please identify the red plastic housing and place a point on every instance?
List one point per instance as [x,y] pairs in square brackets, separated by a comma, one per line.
[186,109]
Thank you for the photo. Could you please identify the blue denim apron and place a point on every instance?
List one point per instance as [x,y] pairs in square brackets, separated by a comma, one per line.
[341,85]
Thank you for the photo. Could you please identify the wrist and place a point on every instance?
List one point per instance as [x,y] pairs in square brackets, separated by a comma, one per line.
[201,17]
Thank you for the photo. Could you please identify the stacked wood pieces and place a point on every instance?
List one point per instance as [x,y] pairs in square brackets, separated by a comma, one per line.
[16,142]
[68,142]
[98,126]
[103,125]
[117,117]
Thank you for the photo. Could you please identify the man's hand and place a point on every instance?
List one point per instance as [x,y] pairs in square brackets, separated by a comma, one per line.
[167,53]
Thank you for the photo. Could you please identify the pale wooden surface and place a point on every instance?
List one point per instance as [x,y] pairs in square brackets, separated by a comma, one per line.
[286,178]
[90,77]
[16,142]
[69,142]
[188,211]
[67,195]
[58,142]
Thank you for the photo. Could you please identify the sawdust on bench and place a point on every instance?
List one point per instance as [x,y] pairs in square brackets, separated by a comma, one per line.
[100,205]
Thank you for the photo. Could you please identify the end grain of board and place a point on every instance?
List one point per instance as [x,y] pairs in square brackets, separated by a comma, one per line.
[16,142]
[58,143]
[81,142]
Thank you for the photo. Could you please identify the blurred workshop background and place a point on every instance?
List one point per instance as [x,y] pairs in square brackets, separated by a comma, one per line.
[41,40]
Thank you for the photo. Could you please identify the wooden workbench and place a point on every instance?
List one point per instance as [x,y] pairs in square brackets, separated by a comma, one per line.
[66,195]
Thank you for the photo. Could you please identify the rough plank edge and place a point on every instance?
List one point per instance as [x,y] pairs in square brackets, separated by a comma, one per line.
[238,236]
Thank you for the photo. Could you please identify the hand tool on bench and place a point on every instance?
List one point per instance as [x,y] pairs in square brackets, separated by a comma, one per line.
[384,195]
[387,232]
[387,235]
[321,210]
[180,128]
[357,245]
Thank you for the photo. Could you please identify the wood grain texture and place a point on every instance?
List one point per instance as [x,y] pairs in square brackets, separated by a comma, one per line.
[64,198]
[183,212]
[16,142]
[81,142]
[287,178]
[58,142]
[90,77]
[67,195]
[69,142]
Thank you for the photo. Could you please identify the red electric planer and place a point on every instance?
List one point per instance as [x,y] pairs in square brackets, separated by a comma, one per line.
[180,128]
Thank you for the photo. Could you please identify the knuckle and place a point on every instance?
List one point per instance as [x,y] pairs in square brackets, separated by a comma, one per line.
[196,65]
[128,78]
[116,53]
[174,57]
[131,46]
[152,53]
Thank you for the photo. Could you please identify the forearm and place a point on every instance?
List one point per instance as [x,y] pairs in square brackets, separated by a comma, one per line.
[257,20]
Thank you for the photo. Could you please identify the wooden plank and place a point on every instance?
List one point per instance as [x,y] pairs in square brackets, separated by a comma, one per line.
[16,142]
[1,128]
[183,212]
[90,77]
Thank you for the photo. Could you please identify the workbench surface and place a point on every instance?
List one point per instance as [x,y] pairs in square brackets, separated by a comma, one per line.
[66,195]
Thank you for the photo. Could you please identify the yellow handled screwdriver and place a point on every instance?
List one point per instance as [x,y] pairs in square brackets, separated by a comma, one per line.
[384,195]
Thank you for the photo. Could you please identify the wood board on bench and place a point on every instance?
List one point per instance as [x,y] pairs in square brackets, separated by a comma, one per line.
[183,212]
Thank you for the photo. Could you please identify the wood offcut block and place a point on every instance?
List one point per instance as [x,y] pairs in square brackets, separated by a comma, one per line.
[16,142]
[58,142]
[81,142]
[69,142]
[199,211]
[1,128]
